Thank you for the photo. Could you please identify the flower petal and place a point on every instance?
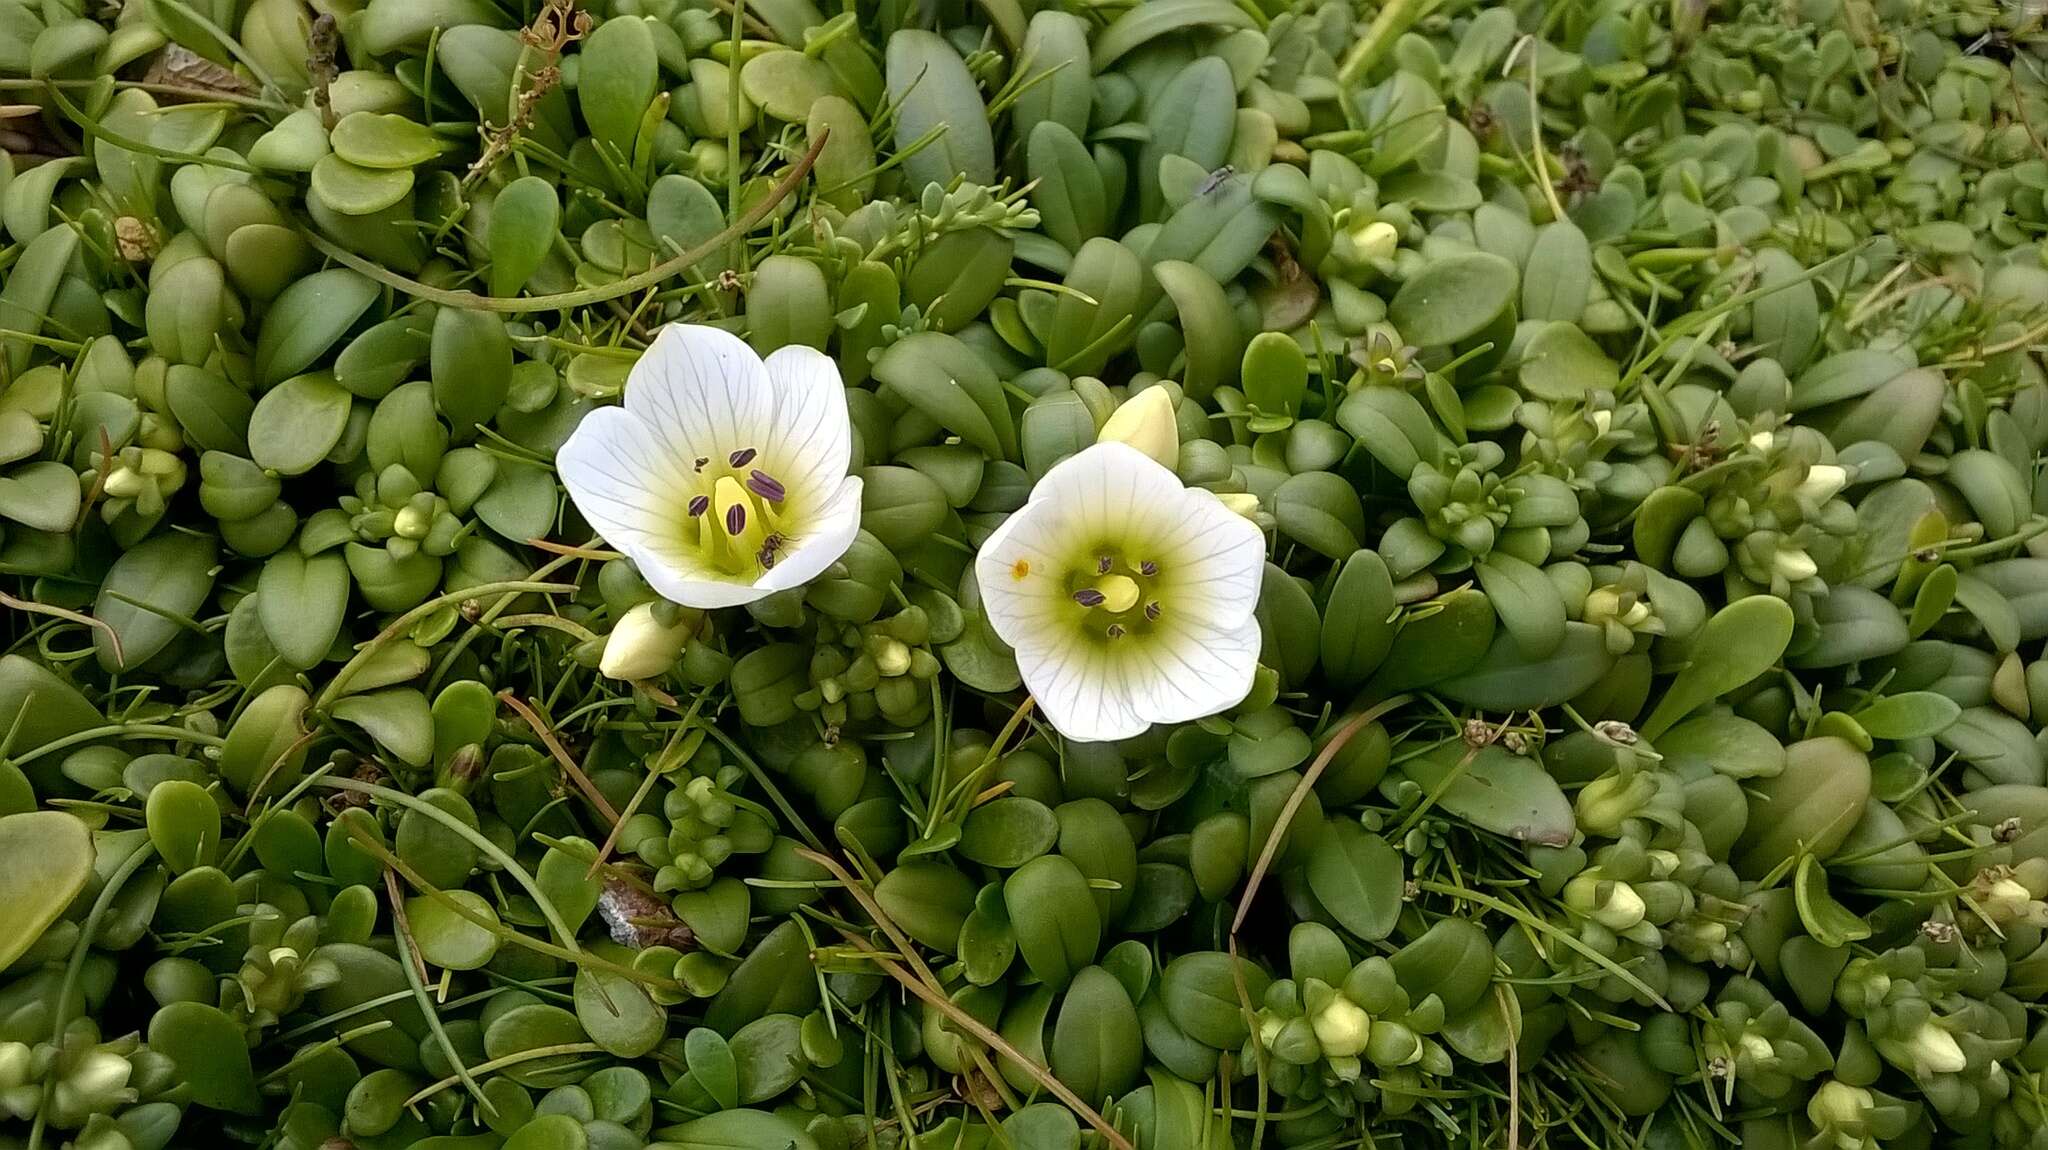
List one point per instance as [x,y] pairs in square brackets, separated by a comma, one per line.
[629,486]
[810,443]
[703,390]
[1211,559]
[1190,669]
[1109,491]
[829,529]
[1021,570]
[1079,687]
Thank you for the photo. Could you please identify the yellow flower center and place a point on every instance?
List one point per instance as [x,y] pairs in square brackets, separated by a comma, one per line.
[1115,596]
[737,517]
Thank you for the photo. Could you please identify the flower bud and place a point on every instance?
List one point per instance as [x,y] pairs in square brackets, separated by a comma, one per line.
[1146,421]
[1242,502]
[1931,1050]
[1342,1028]
[1794,564]
[1376,240]
[639,647]
[1823,482]
[1838,1105]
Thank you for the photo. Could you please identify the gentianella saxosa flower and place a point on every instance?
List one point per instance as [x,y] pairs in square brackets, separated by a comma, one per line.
[1127,595]
[723,477]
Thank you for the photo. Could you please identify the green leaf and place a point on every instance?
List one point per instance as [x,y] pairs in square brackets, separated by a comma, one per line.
[621,71]
[525,221]
[932,89]
[1561,363]
[1557,278]
[1008,832]
[618,1014]
[384,140]
[1738,643]
[1054,916]
[1097,1049]
[1453,298]
[1910,715]
[1495,791]
[471,365]
[49,858]
[397,719]
[306,319]
[297,423]
[1829,922]
[1358,880]
[1358,620]
[211,1053]
[149,590]
[738,1130]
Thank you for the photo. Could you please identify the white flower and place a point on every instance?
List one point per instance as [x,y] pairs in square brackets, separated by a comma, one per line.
[724,476]
[1127,595]
[641,647]
[1146,422]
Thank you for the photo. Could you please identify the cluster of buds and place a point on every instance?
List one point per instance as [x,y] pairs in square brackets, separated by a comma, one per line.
[87,1080]
[1623,610]
[278,970]
[393,508]
[702,822]
[1917,1017]
[1348,1032]
[880,669]
[1758,1047]
[137,481]
[1468,509]
[1606,448]
[1774,519]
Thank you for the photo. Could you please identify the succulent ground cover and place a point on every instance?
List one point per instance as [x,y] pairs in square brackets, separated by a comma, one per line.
[708,574]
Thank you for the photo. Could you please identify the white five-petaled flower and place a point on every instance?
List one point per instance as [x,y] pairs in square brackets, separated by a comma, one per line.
[724,475]
[1127,595]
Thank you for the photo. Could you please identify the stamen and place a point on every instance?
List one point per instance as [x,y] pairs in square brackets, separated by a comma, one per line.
[702,460]
[699,504]
[1148,568]
[742,457]
[1102,565]
[1115,631]
[1152,611]
[1088,597]
[735,519]
[766,486]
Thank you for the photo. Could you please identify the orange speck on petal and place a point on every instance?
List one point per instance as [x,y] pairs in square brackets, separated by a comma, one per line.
[1020,568]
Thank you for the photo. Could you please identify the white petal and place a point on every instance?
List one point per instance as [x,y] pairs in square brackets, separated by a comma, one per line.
[624,480]
[810,442]
[1187,670]
[628,484]
[1021,569]
[1211,560]
[703,390]
[1110,491]
[1078,687]
[828,530]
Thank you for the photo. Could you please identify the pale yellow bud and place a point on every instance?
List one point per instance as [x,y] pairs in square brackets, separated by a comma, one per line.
[639,647]
[1242,502]
[1146,421]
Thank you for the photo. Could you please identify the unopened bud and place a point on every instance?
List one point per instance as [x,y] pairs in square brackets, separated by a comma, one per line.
[1146,421]
[639,647]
